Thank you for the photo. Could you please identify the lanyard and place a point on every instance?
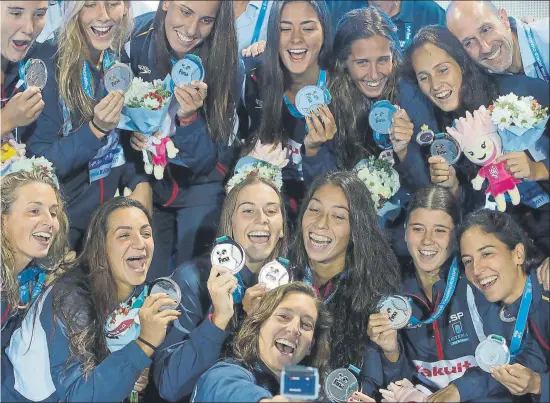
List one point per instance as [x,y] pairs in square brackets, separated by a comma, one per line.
[321,82]
[447,295]
[521,320]
[259,22]
[408,35]
[21,81]
[536,53]
[328,295]
[239,292]
[31,284]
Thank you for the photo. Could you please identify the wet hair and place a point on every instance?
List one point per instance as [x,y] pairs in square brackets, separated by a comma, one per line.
[10,185]
[351,108]
[371,268]
[478,88]
[220,56]
[507,231]
[246,344]
[274,77]
[84,296]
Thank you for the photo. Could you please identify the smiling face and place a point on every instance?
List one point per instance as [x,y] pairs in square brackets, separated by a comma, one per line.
[101,20]
[129,246]
[370,64]
[439,76]
[482,150]
[326,228]
[287,336]
[257,221]
[22,22]
[493,268]
[428,236]
[189,23]
[485,34]
[301,37]
[32,223]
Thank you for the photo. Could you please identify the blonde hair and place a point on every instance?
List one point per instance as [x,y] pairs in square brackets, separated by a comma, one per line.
[10,185]
[230,204]
[72,51]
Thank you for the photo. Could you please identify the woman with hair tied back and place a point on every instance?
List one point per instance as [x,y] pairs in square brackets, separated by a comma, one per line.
[254,216]
[455,84]
[82,340]
[202,121]
[76,131]
[289,317]
[34,238]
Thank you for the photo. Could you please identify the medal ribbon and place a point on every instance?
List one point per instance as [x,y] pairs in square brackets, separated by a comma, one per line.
[321,83]
[328,296]
[447,295]
[521,321]
[259,22]
[536,53]
[31,284]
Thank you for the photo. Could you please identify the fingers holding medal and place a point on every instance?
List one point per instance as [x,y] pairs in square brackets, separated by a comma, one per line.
[321,127]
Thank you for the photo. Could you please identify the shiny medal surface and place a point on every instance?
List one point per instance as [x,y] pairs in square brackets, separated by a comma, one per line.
[340,385]
[229,254]
[387,155]
[380,120]
[165,285]
[492,352]
[398,309]
[308,98]
[446,147]
[273,275]
[36,73]
[118,78]
[425,136]
[187,70]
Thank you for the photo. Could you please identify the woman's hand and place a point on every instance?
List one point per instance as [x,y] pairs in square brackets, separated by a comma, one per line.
[221,284]
[253,296]
[154,322]
[519,380]
[22,109]
[107,113]
[256,49]
[401,133]
[275,154]
[442,173]
[142,381]
[543,274]
[319,132]
[190,97]
[380,332]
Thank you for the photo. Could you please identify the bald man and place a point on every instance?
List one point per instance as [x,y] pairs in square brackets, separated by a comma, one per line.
[497,42]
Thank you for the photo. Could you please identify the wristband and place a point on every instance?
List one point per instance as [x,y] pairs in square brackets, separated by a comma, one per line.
[185,122]
[147,343]
[99,128]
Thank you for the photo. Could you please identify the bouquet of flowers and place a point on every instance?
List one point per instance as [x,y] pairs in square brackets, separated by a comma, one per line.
[380,178]
[145,106]
[520,122]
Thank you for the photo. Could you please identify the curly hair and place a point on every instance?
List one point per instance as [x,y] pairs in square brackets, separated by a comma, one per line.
[10,185]
[246,344]
[371,268]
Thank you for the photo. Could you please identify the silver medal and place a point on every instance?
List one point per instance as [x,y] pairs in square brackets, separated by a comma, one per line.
[228,255]
[308,98]
[398,309]
[36,74]
[165,285]
[273,275]
[340,385]
[118,78]
[492,352]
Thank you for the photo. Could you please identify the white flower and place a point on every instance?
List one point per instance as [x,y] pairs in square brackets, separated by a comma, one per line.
[151,103]
[380,178]
[510,110]
[501,115]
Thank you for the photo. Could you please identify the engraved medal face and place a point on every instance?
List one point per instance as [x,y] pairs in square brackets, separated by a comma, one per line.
[492,352]
[273,275]
[36,74]
[447,148]
[340,385]
[398,309]
[228,255]
[380,116]
[308,98]
[187,70]
[165,285]
[119,77]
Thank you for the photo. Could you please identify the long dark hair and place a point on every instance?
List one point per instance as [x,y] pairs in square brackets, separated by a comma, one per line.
[507,231]
[371,269]
[351,108]
[274,78]
[88,292]
[478,88]
[219,54]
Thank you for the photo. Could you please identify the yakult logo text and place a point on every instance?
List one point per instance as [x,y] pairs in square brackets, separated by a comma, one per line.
[443,372]
[440,371]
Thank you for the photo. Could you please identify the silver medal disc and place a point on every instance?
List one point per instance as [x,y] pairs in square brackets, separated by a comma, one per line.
[446,147]
[308,98]
[398,309]
[273,275]
[187,70]
[492,352]
[118,78]
[228,255]
[36,74]
[340,385]
[165,285]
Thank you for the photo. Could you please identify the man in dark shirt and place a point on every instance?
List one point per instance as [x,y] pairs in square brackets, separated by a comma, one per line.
[408,15]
